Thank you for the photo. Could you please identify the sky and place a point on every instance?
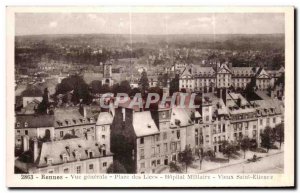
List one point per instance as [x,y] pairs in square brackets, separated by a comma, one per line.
[149,23]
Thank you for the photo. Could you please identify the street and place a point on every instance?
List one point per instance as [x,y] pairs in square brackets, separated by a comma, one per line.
[271,164]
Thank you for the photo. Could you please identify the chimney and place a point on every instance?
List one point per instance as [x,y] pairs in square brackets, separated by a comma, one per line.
[224,95]
[35,149]
[82,110]
[239,102]
[25,143]
[124,114]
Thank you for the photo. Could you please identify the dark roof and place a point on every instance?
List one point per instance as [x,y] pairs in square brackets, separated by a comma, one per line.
[32,92]
[34,121]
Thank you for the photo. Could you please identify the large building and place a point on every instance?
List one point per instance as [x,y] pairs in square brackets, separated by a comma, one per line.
[72,140]
[206,79]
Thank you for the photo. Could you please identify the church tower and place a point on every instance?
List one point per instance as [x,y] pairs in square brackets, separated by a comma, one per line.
[107,74]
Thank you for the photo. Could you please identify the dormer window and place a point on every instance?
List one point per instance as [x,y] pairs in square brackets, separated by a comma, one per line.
[77,155]
[149,126]
[18,124]
[83,120]
[49,161]
[91,119]
[64,157]
[25,124]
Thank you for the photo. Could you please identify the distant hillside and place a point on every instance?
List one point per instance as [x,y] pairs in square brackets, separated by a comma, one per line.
[206,41]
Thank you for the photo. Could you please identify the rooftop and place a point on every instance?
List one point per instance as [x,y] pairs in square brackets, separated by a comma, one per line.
[143,124]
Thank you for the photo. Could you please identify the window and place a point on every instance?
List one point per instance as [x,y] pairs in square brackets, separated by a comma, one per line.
[91,166]
[65,158]
[157,137]
[103,136]
[142,156]
[207,118]
[165,147]
[18,132]
[104,164]
[142,140]
[25,124]
[18,124]
[178,134]
[261,121]
[158,149]
[215,139]
[254,126]
[246,125]
[78,169]
[223,127]
[153,151]
[66,170]
[153,163]
[61,133]
[268,121]
[103,128]
[164,115]
[158,162]
[178,146]
[143,165]
[274,120]
[26,132]
[165,135]
[152,139]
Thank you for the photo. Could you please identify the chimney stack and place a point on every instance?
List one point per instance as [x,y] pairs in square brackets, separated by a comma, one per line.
[25,143]
[35,149]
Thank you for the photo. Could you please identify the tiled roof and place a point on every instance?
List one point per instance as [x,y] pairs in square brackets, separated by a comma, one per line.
[55,150]
[104,118]
[181,117]
[34,121]
[268,107]
[143,124]
[68,116]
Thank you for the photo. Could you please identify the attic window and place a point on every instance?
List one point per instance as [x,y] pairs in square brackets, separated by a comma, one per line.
[83,120]
[149,126]
[91,119]
[49,161]
[25,124]
[18,124]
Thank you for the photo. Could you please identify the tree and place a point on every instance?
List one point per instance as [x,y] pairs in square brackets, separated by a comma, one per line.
[79,87]
[163,79]
[144,82]
[43,106]
[116,168]
[96,86]
[123,87]
[279,133]
[245,145]
[228,148]
[267,138]
[186,157]
[174,84]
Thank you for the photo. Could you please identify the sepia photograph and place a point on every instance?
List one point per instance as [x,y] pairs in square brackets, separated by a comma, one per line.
[125,94]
